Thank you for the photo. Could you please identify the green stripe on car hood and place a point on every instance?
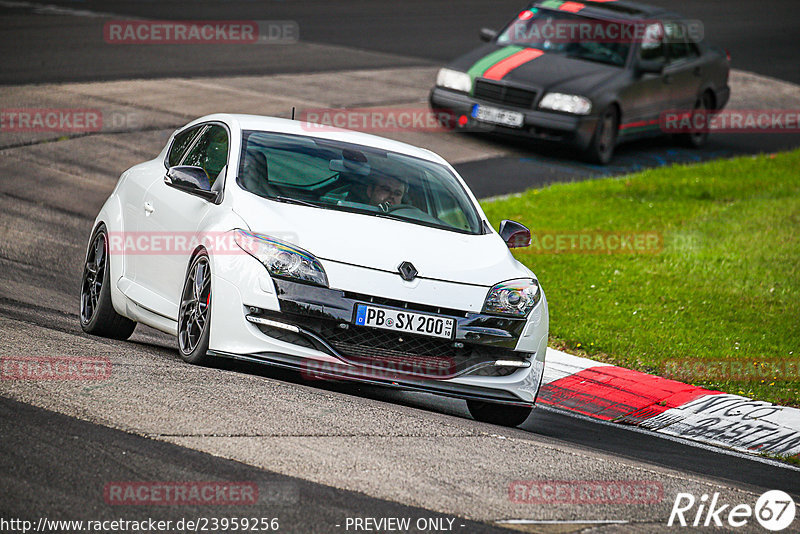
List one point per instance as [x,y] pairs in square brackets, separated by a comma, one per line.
[552,4]
[486,62]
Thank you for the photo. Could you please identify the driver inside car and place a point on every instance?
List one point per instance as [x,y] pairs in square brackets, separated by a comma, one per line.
[385,191]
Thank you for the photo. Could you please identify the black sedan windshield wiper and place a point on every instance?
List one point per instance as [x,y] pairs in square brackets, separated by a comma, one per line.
[289,200]
[596,59]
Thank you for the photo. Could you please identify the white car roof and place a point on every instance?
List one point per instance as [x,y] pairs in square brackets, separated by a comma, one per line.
[275,124]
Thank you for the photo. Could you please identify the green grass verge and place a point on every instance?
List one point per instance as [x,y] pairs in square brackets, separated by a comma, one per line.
[718,305]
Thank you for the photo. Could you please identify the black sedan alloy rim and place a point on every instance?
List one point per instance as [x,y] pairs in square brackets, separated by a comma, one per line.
[607,131]
[93,275]
[193,315]
[700,107]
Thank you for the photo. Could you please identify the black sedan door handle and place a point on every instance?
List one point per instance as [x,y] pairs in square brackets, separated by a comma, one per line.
[668,78]
[698,71]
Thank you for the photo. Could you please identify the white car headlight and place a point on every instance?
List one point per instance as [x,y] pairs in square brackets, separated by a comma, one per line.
[579,105]
[282,259]
[515,297]
[455,80]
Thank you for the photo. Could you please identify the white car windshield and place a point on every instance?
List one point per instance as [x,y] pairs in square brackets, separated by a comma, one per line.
[342,176]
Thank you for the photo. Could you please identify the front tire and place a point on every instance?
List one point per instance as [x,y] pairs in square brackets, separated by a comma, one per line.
[194,315]
[498,414]
[98,316]
[604,140]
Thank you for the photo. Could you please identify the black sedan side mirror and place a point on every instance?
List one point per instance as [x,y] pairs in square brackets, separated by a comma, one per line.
[487,34]
[515,234]
[649,66]
[192,180]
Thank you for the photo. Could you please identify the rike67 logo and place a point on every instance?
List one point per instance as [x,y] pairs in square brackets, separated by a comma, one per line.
[774,510]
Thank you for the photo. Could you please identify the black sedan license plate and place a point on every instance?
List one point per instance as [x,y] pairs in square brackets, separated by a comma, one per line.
[505,117]
[405,321]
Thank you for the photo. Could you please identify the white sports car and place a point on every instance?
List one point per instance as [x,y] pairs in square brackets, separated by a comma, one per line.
[332,252]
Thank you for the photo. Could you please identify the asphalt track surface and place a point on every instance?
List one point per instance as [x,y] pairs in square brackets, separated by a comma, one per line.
[394,447]
[62,41]
[339,450]
[80,458]
[761,36]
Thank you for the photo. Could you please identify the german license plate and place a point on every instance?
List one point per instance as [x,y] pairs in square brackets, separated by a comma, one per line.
[498,116]
[405,321]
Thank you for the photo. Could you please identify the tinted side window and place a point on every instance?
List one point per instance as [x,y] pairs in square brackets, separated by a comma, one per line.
[677,44]
[652,48]
[180,144]
[210,152]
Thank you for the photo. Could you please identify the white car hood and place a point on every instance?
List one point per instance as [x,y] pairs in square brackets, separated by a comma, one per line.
[383,244]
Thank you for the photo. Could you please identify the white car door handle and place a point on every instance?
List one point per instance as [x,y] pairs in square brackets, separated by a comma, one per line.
[148,208]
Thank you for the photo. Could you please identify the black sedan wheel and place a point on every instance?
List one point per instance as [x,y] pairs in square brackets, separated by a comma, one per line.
[98,316]
[697,139]
[601,149]
[498,414]
[194,316]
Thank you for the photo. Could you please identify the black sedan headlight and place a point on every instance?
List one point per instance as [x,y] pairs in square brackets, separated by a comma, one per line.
[455,80]
[575,104]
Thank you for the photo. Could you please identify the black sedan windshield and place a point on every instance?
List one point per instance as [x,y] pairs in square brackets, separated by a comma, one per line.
[342,176]
[572,35]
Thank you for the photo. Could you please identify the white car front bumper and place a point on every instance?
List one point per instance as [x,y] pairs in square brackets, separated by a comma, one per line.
[311,329]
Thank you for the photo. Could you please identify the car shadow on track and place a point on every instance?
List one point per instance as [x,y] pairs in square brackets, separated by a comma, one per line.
[550,426]
[534,164]
[423,401]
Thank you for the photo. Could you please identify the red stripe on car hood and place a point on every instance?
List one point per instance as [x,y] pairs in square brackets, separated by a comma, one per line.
[501,68]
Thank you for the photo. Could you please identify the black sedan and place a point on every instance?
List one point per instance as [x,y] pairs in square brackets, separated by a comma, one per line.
[590,73]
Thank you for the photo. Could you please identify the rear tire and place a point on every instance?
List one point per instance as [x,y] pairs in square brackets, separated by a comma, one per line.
[498,414]
[97,313]
[194,315]
[604,140]
[703,104]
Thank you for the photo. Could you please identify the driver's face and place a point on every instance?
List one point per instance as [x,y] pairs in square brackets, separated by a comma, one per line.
[386,190]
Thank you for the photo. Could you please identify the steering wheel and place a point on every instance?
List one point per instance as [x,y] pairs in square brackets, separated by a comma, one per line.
[395,207]
[601,51]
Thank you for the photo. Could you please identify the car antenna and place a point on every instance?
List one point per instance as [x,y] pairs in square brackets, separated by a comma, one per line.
[292,112]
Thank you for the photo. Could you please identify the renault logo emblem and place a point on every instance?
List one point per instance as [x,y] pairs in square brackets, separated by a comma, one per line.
[407,271]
